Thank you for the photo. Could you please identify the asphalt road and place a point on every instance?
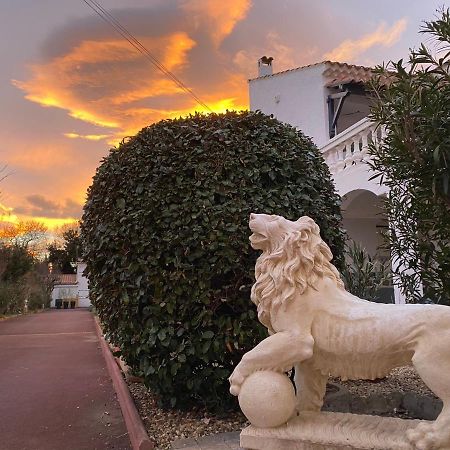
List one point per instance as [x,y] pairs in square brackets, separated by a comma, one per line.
[55,391]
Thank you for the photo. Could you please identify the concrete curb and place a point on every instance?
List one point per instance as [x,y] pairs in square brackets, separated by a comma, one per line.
[138,436]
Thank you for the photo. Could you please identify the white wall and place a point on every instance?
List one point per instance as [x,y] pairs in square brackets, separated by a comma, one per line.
[297,97]
[63,291]
[83,289]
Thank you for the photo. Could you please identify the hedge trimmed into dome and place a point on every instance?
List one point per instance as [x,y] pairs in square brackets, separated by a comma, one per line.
[165,234]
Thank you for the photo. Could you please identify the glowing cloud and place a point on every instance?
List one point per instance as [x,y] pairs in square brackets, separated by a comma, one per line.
[98,78]
[50,222]
[6,215]
[93,79]
[89,137]
[7,218]
[218,16]
[349,49]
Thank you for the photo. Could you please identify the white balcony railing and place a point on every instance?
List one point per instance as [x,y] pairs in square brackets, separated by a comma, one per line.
[350,147]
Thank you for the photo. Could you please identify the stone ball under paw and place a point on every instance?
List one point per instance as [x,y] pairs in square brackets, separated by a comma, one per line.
[267,399]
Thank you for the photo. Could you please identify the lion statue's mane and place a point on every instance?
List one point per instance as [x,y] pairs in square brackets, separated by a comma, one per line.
[288,266]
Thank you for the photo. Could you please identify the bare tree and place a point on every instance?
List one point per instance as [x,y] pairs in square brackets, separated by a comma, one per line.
[26,234]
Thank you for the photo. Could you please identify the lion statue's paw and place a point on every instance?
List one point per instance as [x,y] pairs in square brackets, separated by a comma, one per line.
[429,436]
[236,379]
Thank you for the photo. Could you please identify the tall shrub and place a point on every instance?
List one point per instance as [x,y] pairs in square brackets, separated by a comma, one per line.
[12,298]
[412,103]
[165,234]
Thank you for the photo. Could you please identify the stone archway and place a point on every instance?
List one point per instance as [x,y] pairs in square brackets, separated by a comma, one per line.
[364,219]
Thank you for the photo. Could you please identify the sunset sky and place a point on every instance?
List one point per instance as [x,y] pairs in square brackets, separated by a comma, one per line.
[71,87]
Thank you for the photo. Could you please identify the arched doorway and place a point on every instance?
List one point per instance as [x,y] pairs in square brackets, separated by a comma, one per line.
[365,220]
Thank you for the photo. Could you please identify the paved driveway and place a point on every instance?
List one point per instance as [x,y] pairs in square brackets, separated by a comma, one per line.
[55,391]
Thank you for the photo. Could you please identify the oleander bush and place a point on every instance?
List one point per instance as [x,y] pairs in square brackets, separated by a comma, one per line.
[413,161]
[165,237]
[364,275]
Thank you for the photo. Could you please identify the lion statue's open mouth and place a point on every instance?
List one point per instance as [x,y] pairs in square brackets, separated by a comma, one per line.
[259,225]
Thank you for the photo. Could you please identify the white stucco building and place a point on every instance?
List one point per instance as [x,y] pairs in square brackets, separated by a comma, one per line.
[71,290]
[329,102]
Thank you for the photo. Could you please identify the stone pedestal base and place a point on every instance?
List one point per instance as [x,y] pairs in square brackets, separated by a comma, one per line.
[331,431]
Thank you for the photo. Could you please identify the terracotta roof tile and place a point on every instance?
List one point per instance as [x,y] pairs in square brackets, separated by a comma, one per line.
[66,279]
[342,73]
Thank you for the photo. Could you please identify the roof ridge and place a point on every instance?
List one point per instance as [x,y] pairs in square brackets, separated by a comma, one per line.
[326,61]
[359,66]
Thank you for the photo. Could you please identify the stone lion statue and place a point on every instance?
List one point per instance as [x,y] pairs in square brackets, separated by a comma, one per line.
[322,330]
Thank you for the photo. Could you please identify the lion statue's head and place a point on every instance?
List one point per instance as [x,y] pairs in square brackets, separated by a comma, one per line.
[294,257]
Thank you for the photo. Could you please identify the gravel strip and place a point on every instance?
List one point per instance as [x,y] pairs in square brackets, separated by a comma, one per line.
[401,379]
[164,426]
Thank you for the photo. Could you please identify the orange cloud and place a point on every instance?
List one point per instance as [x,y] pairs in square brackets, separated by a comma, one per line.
[149,115]
[218,16]
[349,49]
[89,137]
[101,80]
[109,84]
[96,77]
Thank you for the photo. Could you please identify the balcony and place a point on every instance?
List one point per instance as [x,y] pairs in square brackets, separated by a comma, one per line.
[350,147]
[346,154]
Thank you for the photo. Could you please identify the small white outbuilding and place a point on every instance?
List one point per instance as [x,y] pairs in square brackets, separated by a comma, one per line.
[71,290]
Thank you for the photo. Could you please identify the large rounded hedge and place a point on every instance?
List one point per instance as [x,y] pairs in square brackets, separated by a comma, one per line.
[165,233]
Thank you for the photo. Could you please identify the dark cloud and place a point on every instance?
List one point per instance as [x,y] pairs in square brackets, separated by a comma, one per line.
[155,20]
[41,206]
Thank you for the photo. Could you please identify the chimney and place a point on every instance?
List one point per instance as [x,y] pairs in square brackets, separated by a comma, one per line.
[265,66]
